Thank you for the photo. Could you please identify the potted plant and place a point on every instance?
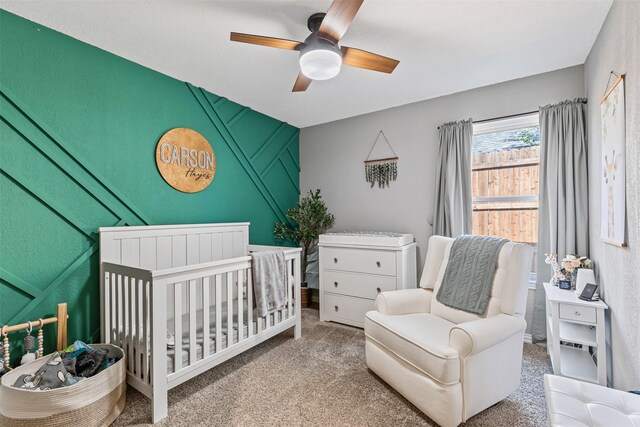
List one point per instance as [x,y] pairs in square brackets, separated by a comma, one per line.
[309,219]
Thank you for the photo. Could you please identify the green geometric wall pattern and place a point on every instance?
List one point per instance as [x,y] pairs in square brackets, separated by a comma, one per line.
[78,129]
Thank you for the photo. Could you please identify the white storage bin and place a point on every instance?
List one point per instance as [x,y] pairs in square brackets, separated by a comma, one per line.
[94,401]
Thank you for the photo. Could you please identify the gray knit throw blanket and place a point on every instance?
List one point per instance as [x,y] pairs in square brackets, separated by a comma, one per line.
[469,275]
[269,280]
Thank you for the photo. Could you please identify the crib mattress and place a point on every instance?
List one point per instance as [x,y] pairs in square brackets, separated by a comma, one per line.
[212,335]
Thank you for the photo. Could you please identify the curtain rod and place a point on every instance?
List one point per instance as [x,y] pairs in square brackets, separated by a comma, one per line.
[503,117]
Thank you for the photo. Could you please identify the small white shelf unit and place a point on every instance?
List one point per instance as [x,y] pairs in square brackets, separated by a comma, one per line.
[571,320]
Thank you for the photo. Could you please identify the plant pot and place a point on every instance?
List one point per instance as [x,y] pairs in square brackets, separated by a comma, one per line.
[305,297]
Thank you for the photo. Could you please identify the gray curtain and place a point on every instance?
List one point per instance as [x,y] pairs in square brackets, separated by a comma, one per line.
[563,221]
[452,204]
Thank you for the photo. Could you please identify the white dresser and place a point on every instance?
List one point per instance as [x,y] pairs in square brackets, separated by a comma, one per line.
[355,267]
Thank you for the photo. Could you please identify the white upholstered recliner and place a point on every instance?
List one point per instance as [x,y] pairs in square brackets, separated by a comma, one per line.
[449,363]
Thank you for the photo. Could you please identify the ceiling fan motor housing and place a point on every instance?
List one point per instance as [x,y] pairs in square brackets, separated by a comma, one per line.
[320,59]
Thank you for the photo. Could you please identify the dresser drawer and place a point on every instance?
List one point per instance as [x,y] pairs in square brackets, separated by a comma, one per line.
[577,313]
[360,260]
[357,285]
[346,309]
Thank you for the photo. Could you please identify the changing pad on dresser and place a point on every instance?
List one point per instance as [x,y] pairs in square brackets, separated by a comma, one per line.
[373,238]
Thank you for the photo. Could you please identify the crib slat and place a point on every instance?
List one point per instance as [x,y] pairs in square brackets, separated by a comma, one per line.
[131,324]
[206,328]
[118,311]
[139,328]
[297,330]
[145,332]
[193,349]
[229,309]
[218,313]
[249,304]
[261,322]
[158,351]
[289,274]
[119,308]
[123,309]
[240,304]
[114,304]
[122,313]
[107,306]
[177,327]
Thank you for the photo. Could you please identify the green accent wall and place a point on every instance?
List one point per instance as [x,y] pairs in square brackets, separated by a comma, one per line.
[78,131]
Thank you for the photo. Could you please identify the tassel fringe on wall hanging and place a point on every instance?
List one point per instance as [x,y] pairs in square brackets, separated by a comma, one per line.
[382,171]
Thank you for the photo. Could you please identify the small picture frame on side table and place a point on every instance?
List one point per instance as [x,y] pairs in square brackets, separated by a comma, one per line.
[564,284]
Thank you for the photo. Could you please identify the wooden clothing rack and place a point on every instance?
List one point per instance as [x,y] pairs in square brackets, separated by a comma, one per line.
[60,318]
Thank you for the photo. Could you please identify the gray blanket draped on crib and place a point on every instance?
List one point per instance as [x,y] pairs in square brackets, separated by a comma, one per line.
[269,280]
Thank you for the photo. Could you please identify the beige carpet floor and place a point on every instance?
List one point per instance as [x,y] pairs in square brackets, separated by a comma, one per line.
[320,380]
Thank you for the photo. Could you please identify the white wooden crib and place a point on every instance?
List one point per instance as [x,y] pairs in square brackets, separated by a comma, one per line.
[159,282]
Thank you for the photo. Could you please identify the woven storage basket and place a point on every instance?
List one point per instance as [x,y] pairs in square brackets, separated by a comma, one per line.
[94,401]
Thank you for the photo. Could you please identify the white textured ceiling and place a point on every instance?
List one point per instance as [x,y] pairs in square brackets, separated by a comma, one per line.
[443,46]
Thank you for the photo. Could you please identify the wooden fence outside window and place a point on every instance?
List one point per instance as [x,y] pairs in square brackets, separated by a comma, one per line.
[505,187]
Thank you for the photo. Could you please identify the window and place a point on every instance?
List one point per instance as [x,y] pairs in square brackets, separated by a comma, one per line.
[505,177]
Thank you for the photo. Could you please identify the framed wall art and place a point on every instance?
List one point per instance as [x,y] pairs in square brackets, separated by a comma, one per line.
[612,216]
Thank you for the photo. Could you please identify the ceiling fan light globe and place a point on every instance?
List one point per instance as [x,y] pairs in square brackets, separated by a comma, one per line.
[320,64]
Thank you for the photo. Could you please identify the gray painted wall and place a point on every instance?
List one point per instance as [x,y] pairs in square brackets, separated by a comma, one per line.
[331,154]
[618,269]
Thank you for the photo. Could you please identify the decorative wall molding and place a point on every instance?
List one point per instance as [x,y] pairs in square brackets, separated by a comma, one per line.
[210,107]
[51,287]
[19,284]
[56,150]
[59,185]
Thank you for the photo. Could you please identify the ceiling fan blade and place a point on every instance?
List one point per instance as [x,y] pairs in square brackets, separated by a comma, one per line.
[370,61]
[266,41]
[338,18]
[302,83]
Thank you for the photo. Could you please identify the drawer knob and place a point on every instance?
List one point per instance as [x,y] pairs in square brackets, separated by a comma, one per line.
[335,260]
[378,290]
[378,264]
[336,308]
[577,313]
[335,284]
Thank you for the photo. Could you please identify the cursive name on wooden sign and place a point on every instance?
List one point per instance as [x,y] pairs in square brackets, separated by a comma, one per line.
[185,160]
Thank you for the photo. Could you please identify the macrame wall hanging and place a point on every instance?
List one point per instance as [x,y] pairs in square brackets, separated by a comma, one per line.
[383,170]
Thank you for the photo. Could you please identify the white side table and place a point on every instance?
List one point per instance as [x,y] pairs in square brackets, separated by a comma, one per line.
[572,320]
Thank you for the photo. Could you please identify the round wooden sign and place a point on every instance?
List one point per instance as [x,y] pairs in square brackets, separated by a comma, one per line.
[185,160]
